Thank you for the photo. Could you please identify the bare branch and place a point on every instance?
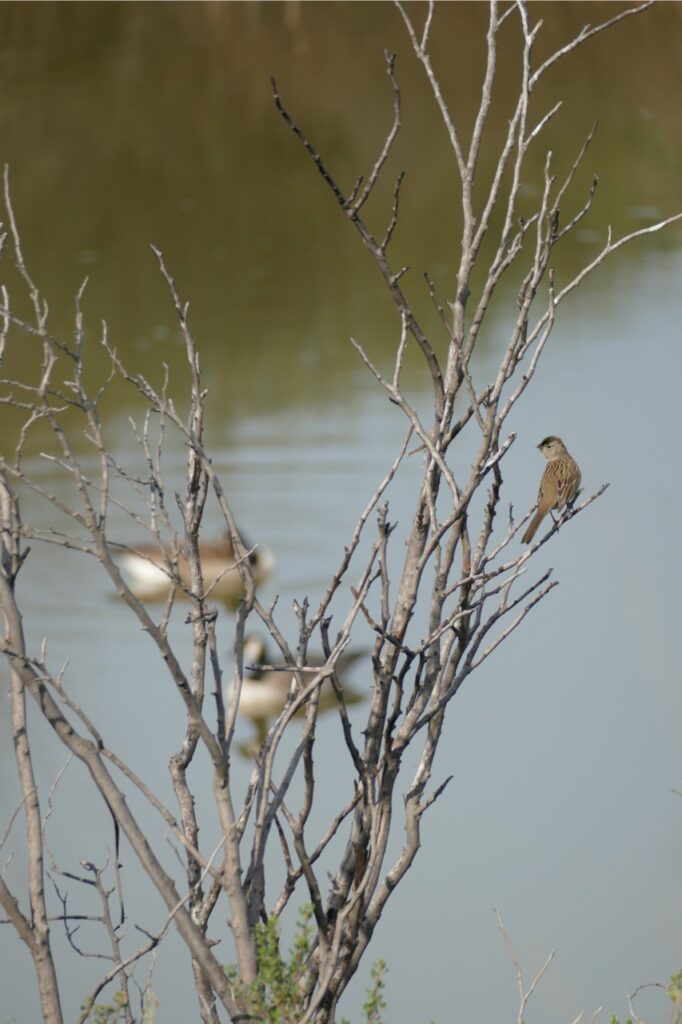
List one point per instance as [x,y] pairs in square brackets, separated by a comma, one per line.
[383,156]
[524,993]
[585,33]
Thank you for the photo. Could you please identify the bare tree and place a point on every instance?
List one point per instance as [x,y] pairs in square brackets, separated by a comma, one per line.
[470,578]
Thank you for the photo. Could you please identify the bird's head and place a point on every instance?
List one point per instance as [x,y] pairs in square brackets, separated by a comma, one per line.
[552,447]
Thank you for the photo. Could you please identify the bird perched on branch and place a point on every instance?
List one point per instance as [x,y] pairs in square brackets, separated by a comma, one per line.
[559,484]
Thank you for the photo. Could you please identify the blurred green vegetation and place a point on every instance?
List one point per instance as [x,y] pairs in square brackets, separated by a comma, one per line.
[138,123]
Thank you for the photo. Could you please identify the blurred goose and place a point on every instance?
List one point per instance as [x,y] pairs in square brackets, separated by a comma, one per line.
[265,690]
[146,576]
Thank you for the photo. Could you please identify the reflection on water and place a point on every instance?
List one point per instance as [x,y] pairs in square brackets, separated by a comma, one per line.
[127,124]
[157,125]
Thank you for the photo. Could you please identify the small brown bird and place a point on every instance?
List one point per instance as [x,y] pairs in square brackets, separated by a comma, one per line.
[560,482]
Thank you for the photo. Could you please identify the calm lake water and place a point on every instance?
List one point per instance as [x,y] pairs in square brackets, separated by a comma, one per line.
[131,124]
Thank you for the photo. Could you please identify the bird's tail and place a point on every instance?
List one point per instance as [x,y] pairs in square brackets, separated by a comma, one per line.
[533,528]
